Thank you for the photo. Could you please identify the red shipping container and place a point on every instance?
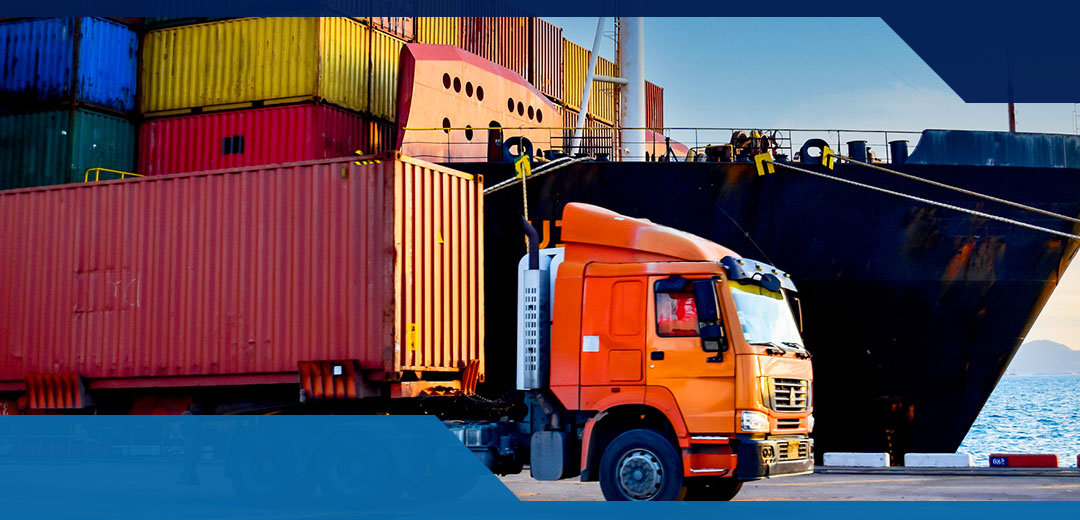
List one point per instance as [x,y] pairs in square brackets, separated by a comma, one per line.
[237,276]
[654,106]
[245,138]
[403,27]
[510,42]
[546,57]
[473,36]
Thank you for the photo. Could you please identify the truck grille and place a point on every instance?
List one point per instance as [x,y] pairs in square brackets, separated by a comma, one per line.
[789,395]
[784,451]
[787,423]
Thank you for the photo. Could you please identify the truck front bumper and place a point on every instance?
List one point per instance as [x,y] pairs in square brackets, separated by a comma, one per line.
[768,458]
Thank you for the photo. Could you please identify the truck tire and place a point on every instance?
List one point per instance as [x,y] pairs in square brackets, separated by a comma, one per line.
[355,466]
[265,467]
[641,465]
[715,489]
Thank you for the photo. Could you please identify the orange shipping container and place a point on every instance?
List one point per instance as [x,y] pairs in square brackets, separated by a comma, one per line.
[546,58]
[237,276]
[654,106]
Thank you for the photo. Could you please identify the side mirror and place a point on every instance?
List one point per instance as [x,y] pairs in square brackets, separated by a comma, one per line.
[710,327]
[796,309]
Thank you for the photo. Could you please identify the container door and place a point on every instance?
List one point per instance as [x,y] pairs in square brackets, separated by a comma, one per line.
[702,382]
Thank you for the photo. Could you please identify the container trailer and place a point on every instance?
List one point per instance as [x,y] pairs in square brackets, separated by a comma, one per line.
[659,363]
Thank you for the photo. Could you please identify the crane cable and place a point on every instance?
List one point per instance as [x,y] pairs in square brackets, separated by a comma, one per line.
[960,190]
[928,201]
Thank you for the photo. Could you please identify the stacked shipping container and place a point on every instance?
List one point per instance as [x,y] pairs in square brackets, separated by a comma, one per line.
[341,71]
[231,85]
[66,90]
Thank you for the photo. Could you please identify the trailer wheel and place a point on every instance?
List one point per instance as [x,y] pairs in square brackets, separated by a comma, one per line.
[265,467]
[356,466]
[641,465]
[716,489]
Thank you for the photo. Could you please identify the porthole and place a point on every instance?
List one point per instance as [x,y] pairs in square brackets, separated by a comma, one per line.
[510,105]
[479,93]
[539,116]
[457,85]
[468,132]
[468,89]
[521,109]
[446,124]
[531,113]
[446,81]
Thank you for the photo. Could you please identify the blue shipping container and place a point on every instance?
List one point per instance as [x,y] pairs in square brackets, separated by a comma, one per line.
[68,60]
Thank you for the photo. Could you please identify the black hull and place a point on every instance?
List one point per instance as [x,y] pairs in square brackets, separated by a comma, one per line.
[912,312]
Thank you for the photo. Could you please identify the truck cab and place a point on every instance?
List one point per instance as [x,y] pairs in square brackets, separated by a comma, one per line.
[664,365]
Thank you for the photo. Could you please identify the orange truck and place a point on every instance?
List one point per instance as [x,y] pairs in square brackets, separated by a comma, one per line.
[656,362]
[659,363]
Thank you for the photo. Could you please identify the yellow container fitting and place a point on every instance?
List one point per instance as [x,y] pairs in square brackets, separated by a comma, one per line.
[236,63]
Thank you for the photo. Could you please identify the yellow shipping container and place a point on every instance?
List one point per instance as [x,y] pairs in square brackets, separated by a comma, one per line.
[442,30]
[234,63]
[575,68]
[385,53]
[604,97]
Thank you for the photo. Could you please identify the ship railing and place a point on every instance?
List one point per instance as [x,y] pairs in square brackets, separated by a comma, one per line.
[460,144]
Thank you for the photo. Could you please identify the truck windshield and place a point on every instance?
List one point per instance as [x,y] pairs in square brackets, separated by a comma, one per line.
[764,315]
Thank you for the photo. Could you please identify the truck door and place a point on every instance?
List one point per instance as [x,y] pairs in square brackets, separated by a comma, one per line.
[703,382]
[613,331]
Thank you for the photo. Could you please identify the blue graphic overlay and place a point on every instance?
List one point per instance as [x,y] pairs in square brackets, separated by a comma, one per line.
[235,466]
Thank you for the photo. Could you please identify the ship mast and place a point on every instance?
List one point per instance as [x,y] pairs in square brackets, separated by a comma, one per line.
[631,57]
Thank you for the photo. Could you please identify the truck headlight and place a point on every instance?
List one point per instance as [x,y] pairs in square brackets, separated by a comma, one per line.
[755,422]
[810,423]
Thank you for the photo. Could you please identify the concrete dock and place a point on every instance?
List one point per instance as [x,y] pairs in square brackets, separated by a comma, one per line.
[971,484]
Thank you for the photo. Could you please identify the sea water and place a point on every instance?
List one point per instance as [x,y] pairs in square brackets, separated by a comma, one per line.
[1029,414]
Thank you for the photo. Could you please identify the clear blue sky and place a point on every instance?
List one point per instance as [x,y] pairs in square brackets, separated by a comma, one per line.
[822,73]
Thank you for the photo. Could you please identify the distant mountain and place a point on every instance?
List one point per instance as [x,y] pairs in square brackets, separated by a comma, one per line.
[1045,357]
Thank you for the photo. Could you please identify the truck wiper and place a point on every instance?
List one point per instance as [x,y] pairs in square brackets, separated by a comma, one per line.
[771,347]
[797,346]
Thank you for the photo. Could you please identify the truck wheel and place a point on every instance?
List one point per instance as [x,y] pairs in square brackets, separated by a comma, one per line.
[641,465]
[717,489]
[265,467]
[356,467]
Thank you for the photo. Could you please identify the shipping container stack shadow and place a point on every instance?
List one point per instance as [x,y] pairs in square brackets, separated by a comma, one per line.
[67,99]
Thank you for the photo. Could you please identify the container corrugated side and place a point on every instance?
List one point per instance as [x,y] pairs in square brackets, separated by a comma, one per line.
[344,63]
[575,68]
[244,138]
[441,30]
[385,55]
[509,42]
[39,63]
[244,273]
[403,27]
[569,119]
[58,146]
[473,35]
[229,64]
[603,101]
[546,58]
[654,106]
[379,136]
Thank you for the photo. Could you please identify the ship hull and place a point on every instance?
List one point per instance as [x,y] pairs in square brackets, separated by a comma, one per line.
[912,312]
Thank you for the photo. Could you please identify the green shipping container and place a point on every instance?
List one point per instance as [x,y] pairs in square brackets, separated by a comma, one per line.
[58,146]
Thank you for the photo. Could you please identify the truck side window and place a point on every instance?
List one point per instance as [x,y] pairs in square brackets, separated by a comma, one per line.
[676,315]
